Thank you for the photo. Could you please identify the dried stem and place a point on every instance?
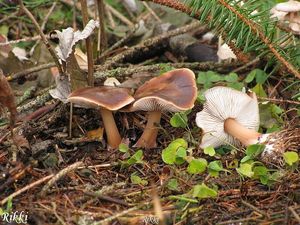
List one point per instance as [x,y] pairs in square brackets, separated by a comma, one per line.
[102,39]
[89,46]
[44,39]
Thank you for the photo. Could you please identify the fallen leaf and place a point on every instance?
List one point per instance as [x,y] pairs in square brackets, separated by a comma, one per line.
[68,38]
[96,134]
[62,89]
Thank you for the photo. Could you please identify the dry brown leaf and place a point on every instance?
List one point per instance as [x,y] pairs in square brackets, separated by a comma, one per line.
[95,134]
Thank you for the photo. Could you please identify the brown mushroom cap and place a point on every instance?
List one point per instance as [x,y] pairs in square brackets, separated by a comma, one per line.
[110,98]
[172,91]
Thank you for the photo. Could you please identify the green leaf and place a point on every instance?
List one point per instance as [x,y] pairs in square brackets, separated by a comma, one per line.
[207,78]
[245,169]
[260,171]
[260,76]
[181,152]
[250,77]
[169,155]
[202,191]
[136,158]
[197,166]
[175,152]
[254,150]
[291,157]
[231,78]
[259,90]
[135,179]
[237,86]
[209,151]
[182,143]
[216,165]
[179,120]
[173,185]
[123,148]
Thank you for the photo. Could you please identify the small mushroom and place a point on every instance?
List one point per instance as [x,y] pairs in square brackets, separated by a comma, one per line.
[173,91]
[107,99]
[288,11]
[228,117]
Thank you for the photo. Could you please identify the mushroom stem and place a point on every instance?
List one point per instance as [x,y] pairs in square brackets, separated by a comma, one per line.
[111,130]
[244,135]
[148,138]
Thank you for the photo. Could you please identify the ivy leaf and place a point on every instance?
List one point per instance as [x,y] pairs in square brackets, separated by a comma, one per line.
[197,166]
[202,191]
[291,157]
[209,151]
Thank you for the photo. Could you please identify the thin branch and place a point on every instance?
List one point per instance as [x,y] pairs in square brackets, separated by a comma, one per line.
[89,46]
[26,188]
[53,54]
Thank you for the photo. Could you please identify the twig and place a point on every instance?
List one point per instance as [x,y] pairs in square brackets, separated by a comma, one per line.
[151,11]
[53,54]
[42,180]
[29,71]
[252,62]
[148,45]
[15,14]
[294,214]
[45,20]
[111,218]
[89,46]
[102,38]
[119,15]
[110,19]
[279,100]
[59,175]
[123,72]
[34,38]
[36,103]
[254,208]
[105,198]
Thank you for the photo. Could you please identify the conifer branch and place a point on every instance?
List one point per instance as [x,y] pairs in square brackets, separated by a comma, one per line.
[251,33]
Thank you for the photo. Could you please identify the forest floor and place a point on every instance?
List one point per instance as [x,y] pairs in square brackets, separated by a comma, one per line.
[51,174]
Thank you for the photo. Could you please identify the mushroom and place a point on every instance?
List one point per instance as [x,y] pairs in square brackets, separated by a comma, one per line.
[172,91]
[107,99]
[288,11]
[232,117]
[228,117]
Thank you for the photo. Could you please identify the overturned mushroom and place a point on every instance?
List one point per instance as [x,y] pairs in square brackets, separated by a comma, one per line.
[107,99]
[228,117]
[170,92]
[232,117]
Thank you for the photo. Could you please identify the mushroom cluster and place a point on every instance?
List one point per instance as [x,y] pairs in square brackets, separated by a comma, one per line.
[170,92]
[232,117]
[288,12]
